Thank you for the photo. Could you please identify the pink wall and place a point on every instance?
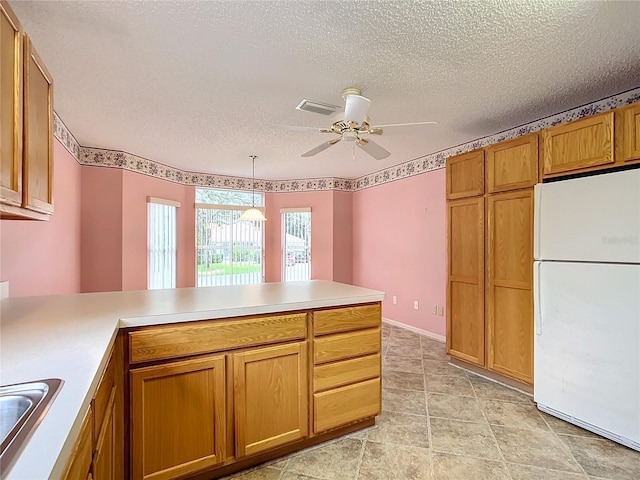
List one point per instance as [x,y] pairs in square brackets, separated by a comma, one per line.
[135,190]
[101,238]
[342,237]
[114,229]
[322,244]
[399,246]
[43,258]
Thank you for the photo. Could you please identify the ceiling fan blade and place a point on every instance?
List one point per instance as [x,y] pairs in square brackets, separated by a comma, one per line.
[400,128]
[373,149]
[320,148]
[356,108]
[298,128]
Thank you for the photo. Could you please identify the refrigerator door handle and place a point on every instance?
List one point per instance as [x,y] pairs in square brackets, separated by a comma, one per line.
[537,306]
[537,210]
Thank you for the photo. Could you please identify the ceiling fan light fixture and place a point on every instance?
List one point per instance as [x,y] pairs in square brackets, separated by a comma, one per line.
[356,108]
[253,214]
[317,107]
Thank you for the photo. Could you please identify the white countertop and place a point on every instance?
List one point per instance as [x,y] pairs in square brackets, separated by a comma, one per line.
[69,337]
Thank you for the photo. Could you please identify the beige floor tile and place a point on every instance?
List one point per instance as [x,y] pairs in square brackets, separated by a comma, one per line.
[456,467]
[566,428]
[397,332]
[394,462]
[454,407]
[438,367]
[403,380]
[402,364]
[538,448]
[463,438]
[489,389]
[334,461]
[525,472]
[395,342]
[448,385]
[404,401]
[512,414]
[404,351]
[261,473]
[603,458]
[296,476]
[400,429]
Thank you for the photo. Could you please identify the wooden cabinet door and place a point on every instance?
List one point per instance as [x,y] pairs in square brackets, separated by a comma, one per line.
[79,464]
[38,133]
[509,284]
[465,175]
[177,417]
[579,145]
[629,135]
[512,164]
[270,396]
[465,286]
[10,107]
[105,461]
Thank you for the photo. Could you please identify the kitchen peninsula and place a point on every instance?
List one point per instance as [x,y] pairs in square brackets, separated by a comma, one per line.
[272,366]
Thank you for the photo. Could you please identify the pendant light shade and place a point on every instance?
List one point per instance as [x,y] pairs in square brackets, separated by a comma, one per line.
[253,214]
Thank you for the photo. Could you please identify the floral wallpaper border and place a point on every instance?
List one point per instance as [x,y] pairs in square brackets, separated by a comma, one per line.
[117,159]
[66,138]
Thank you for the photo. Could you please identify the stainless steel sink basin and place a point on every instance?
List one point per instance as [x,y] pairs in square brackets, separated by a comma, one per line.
[22,408]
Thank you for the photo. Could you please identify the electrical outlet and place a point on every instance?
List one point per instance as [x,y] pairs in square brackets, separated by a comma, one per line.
[395,300]
[415,304]
[434,310]
[441,311]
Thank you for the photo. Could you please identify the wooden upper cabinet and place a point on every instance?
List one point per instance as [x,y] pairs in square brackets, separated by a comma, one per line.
[509,297]
[38,133]
[270,397]
[628,133]
[177,417]
[512,164]
[465,175]
[11,91]
[576,146]
[465,286]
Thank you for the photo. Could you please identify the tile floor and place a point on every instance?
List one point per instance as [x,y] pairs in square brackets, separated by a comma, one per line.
[442,423]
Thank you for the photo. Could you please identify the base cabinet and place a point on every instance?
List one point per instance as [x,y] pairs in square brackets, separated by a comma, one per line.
[177,417]
[270,396]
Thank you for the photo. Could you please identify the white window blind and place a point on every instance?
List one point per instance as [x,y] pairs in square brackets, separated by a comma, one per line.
[161,243]
[296,244]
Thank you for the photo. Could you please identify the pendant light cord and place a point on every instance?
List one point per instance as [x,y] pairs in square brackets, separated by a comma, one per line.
[253,180]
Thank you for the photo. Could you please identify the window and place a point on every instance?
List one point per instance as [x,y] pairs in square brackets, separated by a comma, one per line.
[296,244]
[228,251]
[161,243]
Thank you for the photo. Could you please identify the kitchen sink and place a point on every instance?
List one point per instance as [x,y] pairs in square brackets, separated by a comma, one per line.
[22,408]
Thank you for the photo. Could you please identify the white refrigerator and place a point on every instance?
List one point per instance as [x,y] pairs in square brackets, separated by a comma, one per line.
[587,303]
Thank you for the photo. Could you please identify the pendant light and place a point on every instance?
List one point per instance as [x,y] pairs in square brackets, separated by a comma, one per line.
[253,214]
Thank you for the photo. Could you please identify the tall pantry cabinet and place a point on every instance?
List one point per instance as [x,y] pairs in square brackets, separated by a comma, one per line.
[490,256]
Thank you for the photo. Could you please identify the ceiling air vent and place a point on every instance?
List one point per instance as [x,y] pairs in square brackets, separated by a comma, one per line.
[317,107]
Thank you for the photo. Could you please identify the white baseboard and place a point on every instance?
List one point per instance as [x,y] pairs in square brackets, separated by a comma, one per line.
[426,333]
[4,289]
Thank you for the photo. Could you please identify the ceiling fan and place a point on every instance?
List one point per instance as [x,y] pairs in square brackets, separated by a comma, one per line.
[354,126]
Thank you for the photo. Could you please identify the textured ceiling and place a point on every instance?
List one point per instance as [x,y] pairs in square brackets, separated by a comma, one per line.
[203,85]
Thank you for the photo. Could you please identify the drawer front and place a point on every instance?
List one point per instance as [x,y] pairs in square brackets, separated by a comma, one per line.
[346,345]
[214,335]
[341,406]
[346,319]
[337,374]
